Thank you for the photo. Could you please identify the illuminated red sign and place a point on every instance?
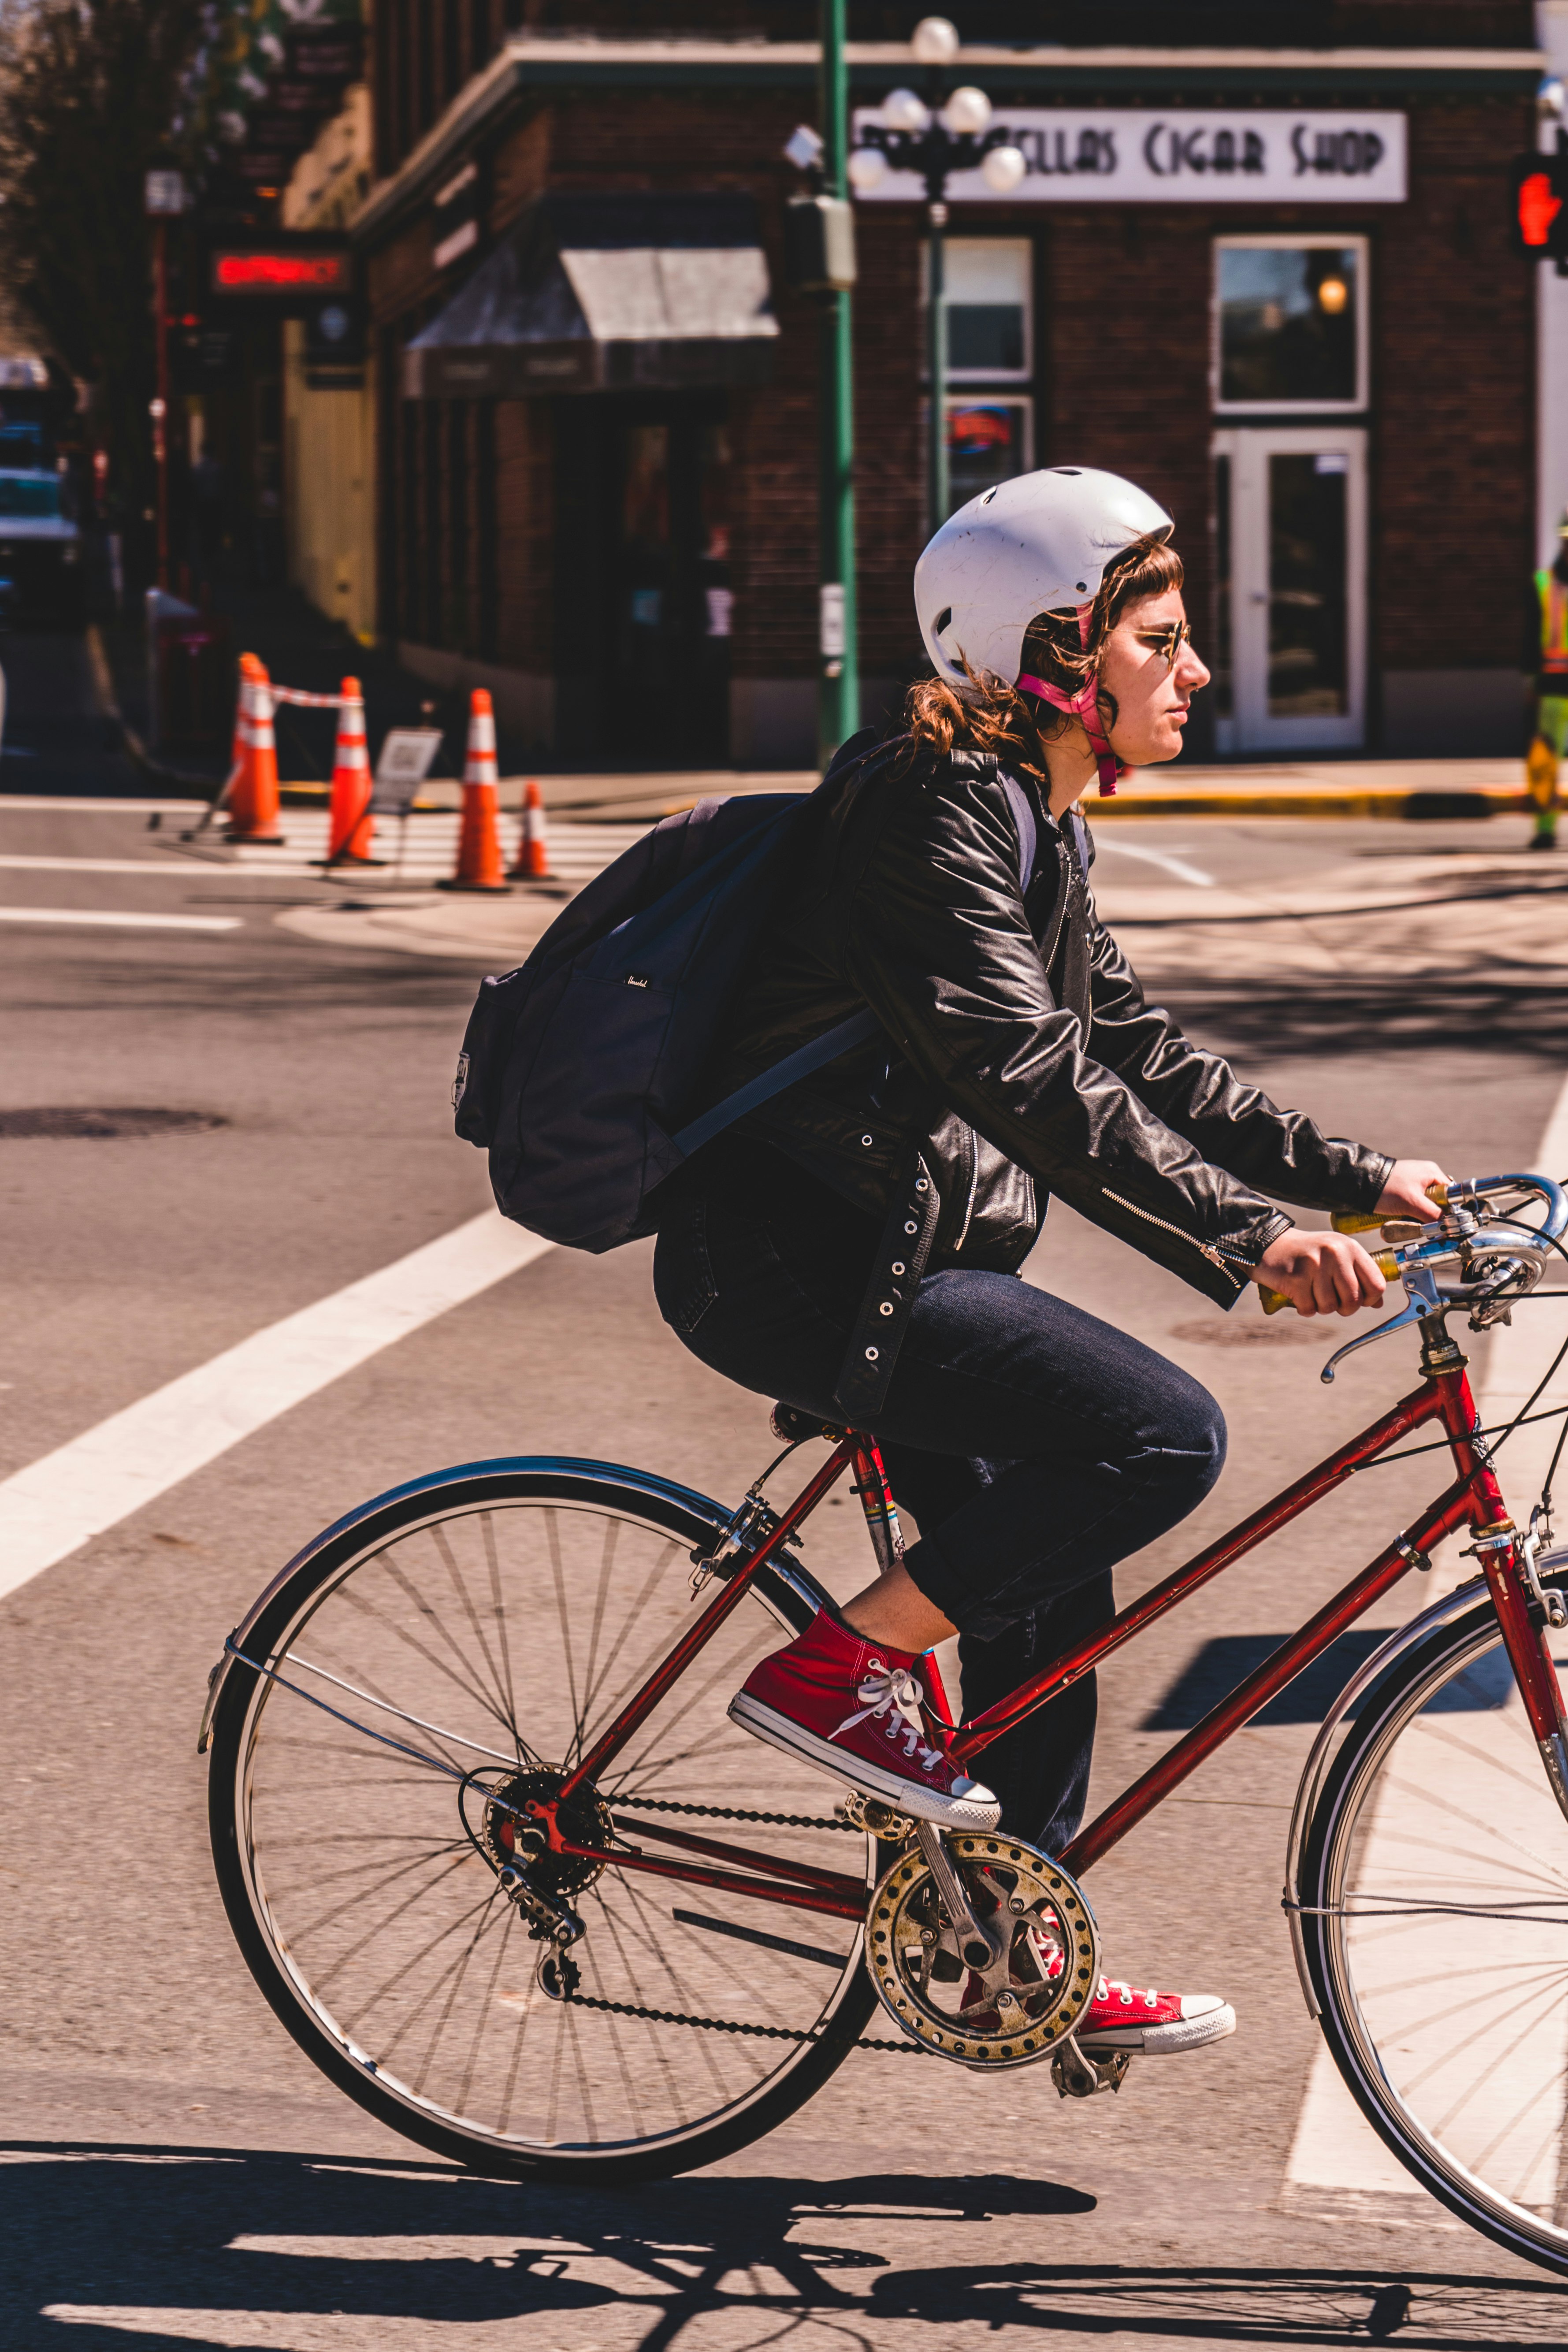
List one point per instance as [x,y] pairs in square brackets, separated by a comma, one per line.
[280,273]
[1538,206]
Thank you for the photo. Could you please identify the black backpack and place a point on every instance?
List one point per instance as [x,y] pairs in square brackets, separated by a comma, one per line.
[579,1069]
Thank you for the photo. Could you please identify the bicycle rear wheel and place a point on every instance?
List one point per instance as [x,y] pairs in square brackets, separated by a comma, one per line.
[1437,1935]
[490,1622]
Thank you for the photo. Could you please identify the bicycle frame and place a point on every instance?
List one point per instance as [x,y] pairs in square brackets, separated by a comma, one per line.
[1474,1498]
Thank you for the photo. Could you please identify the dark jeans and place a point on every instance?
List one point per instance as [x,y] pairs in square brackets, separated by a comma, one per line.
[1034,1446]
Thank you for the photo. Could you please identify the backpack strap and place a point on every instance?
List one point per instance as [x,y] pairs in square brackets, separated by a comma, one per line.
[855,1031]
[858,1030]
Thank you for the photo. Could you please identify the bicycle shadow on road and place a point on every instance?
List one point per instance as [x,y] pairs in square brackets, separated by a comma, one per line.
[177,2247]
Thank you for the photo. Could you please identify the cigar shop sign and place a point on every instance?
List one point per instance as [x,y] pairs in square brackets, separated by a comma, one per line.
[1141,155]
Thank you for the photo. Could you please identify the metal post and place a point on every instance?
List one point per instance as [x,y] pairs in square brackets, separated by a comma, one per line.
[838,679]
[936,370]
[161,406]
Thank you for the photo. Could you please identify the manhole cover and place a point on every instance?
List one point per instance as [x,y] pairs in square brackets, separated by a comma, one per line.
[48,1120]
[1259,1330]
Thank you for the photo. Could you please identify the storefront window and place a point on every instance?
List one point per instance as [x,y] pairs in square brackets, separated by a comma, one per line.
[1290,323]
[986,287]
[987,442]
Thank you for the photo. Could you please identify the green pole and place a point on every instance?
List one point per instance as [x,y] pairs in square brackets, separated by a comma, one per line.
[838,671]
[936,370]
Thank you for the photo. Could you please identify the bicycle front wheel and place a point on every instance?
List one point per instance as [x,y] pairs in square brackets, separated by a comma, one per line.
[1437,1934]
[405,1688]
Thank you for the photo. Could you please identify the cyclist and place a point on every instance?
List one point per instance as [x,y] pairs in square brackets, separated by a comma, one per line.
[851,1247]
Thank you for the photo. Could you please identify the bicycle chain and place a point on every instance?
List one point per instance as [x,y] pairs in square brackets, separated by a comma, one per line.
[733,1813]
[728,2025]
[724,2024]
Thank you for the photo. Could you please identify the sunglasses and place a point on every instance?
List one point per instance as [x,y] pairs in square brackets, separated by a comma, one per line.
[1169,640]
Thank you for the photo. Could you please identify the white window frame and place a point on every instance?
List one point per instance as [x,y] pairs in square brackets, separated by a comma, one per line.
[985,376]
[1296,241]
[990,393]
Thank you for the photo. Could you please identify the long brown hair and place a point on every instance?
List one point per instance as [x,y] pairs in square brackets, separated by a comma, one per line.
[988,713]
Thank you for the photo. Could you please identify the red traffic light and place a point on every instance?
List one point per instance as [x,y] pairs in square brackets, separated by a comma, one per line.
[1538,206]
[1540,223]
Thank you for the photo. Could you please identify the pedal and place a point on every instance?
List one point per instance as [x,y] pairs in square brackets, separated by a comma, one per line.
[878,1820]
[1077,2076]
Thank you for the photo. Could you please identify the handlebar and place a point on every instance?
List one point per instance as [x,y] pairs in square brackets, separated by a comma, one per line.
[1498,1258]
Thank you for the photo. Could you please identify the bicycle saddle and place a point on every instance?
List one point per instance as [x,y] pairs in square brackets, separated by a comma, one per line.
[793,1427]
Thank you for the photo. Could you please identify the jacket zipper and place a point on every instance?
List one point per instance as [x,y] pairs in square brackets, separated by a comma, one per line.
[1205,1249]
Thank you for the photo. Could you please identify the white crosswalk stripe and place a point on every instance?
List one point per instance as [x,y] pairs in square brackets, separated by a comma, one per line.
[428,852]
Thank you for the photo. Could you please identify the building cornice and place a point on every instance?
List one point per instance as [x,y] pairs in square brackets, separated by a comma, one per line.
[532,66]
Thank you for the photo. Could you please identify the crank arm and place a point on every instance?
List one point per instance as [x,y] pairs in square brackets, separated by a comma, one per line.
[975,1945]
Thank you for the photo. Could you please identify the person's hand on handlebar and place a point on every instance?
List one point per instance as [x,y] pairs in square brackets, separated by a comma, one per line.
[1320,1274]
[1405,1193]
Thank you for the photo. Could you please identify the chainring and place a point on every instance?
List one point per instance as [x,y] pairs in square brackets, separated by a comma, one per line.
[1020,2009]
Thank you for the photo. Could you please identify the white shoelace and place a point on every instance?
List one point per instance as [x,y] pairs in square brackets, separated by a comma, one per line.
[1150,1999]
[887,1692]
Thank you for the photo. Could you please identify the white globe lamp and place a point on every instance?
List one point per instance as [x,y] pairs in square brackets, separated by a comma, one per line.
[968,110]
[1002,168]
[903,110]
[934,41]
[868,168]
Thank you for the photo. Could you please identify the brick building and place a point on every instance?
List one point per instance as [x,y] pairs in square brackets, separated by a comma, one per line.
[1273,285]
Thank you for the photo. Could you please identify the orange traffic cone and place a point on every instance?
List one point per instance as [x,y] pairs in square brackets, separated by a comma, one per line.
[353,825]
[478,843]
[238,799]
[254,805]
[533,843]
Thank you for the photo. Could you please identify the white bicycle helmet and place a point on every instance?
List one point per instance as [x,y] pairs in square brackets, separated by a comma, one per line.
[1039,543]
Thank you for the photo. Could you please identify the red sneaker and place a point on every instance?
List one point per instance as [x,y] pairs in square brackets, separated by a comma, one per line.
[1119,2017]
[1122,2017]
[856,1708]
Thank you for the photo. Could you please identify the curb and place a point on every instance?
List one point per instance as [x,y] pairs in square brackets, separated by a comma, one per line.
[1325,801]
[1456,804]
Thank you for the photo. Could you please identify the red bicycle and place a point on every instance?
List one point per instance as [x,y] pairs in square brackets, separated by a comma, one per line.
[508,1876]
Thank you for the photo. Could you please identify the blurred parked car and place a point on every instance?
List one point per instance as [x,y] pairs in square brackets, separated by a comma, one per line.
[40,539]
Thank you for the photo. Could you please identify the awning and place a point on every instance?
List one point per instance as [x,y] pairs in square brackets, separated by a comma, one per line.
[592,293]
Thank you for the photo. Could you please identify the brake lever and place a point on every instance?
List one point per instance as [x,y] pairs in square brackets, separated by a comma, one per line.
[1421,1287]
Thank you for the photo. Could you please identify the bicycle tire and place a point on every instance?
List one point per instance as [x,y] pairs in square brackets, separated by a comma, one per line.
[789,2050]
[1445,2057]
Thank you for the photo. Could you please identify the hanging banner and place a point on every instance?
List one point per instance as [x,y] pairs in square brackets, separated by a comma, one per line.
[1141,155]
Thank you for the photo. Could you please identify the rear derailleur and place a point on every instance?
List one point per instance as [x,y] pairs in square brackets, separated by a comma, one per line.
[553,1924]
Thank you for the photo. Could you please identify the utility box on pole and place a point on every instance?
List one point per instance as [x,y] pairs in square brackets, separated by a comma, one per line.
[819,244]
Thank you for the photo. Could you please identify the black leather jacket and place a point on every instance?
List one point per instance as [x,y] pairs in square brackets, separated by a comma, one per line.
[1020,1057]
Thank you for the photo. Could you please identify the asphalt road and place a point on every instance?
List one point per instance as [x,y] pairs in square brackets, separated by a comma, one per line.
[177,2171]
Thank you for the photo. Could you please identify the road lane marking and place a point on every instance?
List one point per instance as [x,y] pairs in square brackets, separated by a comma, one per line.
[1164,858]
[64,805]
[113,919]
[25,865]
[1335,2148]
[58,1503]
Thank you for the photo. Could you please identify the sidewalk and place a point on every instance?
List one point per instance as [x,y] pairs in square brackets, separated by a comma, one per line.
[1393,789]
[302,647]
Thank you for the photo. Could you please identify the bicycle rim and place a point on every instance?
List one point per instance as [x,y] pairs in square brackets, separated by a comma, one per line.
[1440,1943]
[492,1629]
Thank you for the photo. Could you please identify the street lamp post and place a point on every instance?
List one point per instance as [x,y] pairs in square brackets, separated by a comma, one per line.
[838,675]
[936,141]
[163,195]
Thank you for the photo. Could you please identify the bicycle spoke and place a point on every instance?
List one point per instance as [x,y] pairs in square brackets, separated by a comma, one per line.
[1448,1937]
[540,1617]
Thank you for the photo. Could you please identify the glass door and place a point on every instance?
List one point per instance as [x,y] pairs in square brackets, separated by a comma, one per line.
[1290,512]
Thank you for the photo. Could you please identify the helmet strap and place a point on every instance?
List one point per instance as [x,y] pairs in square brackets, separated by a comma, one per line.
[1083,706]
